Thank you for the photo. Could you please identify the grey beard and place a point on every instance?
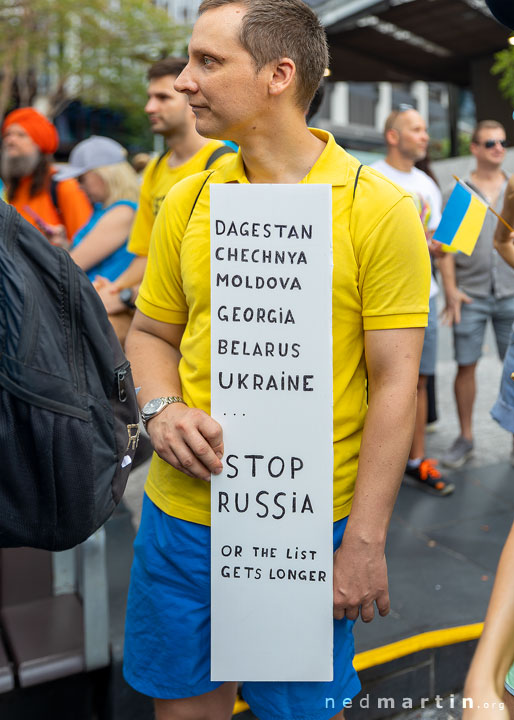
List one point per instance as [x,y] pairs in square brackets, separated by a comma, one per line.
[15,168]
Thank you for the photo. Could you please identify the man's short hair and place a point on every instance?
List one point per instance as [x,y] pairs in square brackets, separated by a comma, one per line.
[485,125]
[272,29]
[390,123]
[166,66]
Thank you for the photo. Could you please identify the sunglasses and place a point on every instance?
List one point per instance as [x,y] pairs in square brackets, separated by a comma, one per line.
[403,107]
[491,143]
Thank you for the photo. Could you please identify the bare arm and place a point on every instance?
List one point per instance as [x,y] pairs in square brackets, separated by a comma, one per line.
[133,275]
[495,651]
[110,232]
[130,278]
[360,571]
[504,243]
[503,239]
[187,438]
[454,297]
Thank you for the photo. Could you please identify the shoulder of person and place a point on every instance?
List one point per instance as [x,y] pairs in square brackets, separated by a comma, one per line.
[425,178]
[219,154]
[378,199]
[151,166]
[374,181]
[121,208]
[68,186]
[181,196]
[120,213]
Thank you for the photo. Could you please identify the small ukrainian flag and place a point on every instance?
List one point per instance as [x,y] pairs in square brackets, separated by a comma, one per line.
[462,220]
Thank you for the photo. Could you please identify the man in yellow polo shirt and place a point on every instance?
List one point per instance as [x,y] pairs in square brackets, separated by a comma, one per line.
[186,153]
[254,67]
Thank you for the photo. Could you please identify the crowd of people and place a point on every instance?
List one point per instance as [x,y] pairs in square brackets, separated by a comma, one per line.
[233,89]
[477,288]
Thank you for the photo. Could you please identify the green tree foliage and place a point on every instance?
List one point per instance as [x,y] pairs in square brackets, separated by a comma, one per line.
[504,67]
[53,51]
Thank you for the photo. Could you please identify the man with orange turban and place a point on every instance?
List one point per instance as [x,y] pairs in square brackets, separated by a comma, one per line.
[28,142]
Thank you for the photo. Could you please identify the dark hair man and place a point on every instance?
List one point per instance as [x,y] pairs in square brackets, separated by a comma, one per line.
[406,137]
[28,143]
[478,288]
[187,153]
[254,67]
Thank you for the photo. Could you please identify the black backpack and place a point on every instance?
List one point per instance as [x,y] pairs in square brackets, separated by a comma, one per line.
[68,411]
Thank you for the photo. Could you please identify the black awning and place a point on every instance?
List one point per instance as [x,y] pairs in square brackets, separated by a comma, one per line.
[406,40]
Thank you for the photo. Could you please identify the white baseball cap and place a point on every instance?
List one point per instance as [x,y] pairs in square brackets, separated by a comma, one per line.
[90,154]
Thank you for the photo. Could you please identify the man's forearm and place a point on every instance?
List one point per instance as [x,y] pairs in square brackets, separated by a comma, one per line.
[133,275]
[505,247]
[158,377]
[186,438]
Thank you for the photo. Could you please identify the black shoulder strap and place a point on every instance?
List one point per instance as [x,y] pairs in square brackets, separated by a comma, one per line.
[53,193]
[356,180]
[161,157]
[219,152]
[198,196]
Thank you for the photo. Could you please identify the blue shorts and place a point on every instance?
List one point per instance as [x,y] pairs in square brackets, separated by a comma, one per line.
[167,635]
[503,409]
[468,335]
[429,354]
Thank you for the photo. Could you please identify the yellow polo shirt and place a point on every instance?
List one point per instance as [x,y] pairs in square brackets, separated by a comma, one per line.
[381,280]
[158,178]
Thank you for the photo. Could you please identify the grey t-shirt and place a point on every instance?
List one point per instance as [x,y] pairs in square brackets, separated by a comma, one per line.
[485,272]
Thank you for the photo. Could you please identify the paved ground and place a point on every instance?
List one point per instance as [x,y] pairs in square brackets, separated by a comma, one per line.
[492,445]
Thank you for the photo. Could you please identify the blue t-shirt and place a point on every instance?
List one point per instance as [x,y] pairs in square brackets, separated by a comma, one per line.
[116,263]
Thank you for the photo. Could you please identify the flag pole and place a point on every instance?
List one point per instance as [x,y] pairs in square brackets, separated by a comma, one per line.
[491,209]
[500,218]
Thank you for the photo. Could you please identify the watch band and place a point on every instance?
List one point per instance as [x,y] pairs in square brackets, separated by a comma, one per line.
[167,400]
[170,399]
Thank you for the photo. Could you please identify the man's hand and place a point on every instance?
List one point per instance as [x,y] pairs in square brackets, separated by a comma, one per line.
[435,248]
[56,234]
[188,439]
[360,580]
[451,314]
[109,294]
[504,244]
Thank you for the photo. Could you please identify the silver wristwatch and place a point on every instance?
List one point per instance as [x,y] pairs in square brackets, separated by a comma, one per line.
[157,405]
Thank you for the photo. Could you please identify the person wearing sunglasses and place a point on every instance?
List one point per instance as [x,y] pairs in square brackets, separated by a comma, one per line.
[479,288]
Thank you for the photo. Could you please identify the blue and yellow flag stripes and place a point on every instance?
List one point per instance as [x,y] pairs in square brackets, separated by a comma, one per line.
[462,220]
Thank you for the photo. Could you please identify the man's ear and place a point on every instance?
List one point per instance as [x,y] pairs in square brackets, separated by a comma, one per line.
[283,74]
[392,136]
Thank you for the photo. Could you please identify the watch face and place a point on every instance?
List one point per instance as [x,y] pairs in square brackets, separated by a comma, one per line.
[152,406]
[126,295]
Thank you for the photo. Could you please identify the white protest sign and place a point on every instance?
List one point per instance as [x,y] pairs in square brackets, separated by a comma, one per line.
[271,390]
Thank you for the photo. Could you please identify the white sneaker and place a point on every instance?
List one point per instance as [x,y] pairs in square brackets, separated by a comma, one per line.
[459,453]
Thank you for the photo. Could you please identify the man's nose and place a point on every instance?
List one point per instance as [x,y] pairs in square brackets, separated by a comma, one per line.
[150,105]
[185,82]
